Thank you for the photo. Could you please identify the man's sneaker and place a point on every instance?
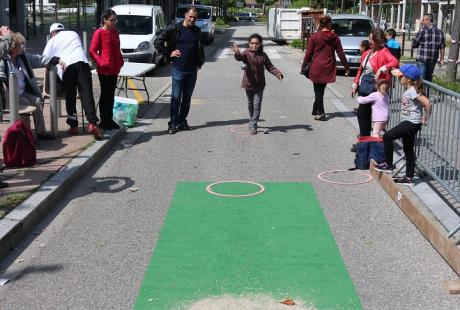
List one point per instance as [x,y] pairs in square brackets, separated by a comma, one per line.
[183,126]
[95,131]
[171,130]
[383,167]
[252,131]
[404,181]
[72,131]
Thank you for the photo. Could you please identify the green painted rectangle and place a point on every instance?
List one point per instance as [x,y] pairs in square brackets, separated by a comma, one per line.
[277,244]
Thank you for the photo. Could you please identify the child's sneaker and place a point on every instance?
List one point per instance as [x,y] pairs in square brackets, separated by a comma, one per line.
[404,181]
[383,167]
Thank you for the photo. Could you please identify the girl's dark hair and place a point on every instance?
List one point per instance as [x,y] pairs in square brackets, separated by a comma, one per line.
[378,36]
[258,37]
[365,44]
[106,15]
[325,21]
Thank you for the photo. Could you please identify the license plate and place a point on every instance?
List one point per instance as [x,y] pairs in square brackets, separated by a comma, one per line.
[354,60]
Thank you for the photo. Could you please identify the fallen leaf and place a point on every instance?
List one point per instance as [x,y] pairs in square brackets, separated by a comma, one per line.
[133,189]
[151,299]
[19,260]
[288,302]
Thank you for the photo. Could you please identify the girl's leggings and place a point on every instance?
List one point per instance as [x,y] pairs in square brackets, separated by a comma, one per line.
[407,131]
[254,106]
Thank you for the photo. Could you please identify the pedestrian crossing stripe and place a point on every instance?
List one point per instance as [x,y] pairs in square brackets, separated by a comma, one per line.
[277,245]
[226,52]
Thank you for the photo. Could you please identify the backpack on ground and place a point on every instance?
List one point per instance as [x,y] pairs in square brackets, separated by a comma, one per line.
[368,148]
[19,146]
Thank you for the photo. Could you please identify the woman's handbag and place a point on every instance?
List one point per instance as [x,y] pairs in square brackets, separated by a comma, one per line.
[367,85]
[367,81]
[306,70]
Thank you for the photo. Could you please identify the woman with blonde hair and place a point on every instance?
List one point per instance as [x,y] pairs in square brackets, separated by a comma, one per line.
[28,90]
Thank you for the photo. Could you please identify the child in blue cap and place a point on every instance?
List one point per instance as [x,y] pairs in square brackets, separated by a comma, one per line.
[415,111]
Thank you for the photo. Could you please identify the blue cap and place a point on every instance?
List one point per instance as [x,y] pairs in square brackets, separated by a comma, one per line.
[409,71]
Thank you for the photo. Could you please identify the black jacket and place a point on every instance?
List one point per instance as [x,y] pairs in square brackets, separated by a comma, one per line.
[165,42]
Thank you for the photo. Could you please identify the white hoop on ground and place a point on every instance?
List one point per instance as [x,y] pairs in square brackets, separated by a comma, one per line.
[261,189]
[369,177]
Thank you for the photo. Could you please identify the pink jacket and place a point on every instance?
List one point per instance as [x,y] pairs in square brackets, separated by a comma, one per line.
[106,52]
[382,59]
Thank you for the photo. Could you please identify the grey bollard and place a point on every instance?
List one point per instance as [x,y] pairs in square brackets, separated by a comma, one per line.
[13,95]
[54,113]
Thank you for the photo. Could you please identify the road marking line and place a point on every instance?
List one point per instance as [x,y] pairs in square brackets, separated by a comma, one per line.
[272,53]
[137,94]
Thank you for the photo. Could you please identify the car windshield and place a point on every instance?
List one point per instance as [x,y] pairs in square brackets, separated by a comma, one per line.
[203,13]
[134,24]
[351,27]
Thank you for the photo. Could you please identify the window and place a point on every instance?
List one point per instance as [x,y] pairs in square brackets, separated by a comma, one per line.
[134,24]
[351,27]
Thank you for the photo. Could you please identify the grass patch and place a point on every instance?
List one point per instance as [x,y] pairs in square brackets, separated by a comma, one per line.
[222,26]
[9,201]
[453,86]
[297,43]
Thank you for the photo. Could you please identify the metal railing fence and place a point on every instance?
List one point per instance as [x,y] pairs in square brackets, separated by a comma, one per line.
[438,144]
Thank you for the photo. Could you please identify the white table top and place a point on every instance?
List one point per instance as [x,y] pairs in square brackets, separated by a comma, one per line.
[133,69]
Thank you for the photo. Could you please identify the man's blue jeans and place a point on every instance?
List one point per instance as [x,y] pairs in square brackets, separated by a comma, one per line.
[426,69]
[183,84]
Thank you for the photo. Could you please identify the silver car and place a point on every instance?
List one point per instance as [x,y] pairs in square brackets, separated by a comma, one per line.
[352,29]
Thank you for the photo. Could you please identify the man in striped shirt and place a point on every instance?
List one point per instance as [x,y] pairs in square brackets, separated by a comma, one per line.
[430,42]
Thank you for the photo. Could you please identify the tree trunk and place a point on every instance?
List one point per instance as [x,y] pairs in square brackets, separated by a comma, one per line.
[453,51]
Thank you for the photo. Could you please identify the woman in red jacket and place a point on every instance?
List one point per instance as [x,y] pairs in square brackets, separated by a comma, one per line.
[105,50]
[321,53]
[376,62]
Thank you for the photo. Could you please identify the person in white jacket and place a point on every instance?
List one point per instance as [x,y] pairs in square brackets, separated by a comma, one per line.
[76,74]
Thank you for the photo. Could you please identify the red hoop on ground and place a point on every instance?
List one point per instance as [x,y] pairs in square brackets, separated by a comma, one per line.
[320,176]
[209,189]
[234,129]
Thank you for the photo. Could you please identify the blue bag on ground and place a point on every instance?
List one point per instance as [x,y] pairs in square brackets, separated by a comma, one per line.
[368,148]
[125,111]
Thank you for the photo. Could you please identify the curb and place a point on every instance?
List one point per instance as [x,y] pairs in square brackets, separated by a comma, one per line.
[419,214]
[16,224]
[20,221]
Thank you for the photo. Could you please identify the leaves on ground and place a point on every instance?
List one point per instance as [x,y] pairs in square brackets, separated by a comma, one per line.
[288,302]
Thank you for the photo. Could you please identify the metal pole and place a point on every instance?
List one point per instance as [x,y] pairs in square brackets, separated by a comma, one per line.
[85,43]
[13,92]
[410,17]
[53,100]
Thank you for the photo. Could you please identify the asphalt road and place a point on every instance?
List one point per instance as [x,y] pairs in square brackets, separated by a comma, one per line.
[92,251]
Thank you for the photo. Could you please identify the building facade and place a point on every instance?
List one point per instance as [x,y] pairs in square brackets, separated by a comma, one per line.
[406,14]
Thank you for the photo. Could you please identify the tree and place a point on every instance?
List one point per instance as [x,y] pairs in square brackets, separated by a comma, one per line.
[453,51]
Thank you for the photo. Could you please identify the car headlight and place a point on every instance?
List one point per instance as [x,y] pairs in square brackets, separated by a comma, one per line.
[204,24]
[143,46]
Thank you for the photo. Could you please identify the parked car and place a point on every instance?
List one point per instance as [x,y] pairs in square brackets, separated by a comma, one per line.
[351,29]
[206,20]
[138,26]
[244,17]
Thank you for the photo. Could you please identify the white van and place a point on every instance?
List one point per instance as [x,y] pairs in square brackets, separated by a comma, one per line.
[206,20]
[138,26]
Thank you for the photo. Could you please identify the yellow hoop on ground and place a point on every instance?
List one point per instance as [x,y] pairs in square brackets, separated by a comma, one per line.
[261,189]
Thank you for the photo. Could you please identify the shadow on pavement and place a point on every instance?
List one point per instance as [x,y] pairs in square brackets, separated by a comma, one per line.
[285,129]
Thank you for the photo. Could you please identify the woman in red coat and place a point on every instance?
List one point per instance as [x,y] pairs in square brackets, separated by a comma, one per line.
[377,62]
[105,50]
[321,53]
